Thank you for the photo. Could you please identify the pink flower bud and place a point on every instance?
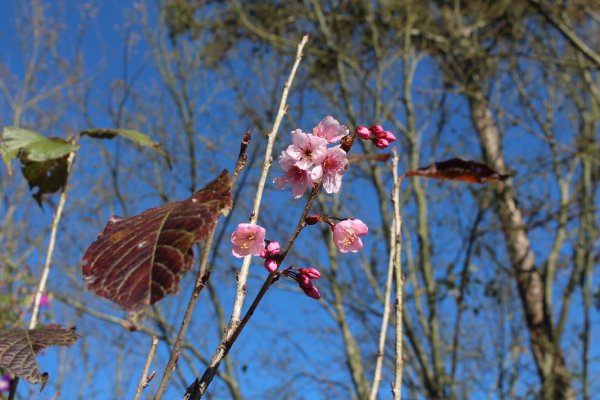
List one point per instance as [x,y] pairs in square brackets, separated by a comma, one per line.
[310,272]
[271,265]
[381,143]
[312,292]
[389,136]
[363,132]
[273,248]
[303,281]
[376,130]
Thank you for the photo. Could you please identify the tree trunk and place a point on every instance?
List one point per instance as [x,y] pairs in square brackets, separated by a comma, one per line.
[556,381]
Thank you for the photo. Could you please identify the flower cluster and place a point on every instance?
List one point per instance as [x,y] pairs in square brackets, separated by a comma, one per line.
[308,159]
[304,277]
[380,138]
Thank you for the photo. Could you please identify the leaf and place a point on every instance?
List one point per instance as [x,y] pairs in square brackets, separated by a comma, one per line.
[137,261]
[19,347]
[31,145]
[134,136]
[48,176]
[457,169]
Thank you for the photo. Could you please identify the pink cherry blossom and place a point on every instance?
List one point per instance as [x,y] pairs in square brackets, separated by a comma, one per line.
[346,235]
[295,176]
[330,129]
[248,239]
[307,150]
[44,301]
[333,167]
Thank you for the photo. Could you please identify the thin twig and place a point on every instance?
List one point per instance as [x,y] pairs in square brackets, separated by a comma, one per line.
[399,279]
[55,220]
[199,387]
[144,379]
[244,270]
[201,279]
[386,306]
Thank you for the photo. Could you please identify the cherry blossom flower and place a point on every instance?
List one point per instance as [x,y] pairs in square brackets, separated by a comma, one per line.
[346,235]
[333,167]
[330,129]
[248,239]
[295,176]
[307,150]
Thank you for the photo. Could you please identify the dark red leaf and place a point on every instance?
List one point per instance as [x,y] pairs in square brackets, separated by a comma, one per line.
[457,169]
[137,261]
[18,348]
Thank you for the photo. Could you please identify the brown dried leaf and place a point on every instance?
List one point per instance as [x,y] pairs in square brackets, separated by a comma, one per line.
[457,169]
[18,348]
[137,261]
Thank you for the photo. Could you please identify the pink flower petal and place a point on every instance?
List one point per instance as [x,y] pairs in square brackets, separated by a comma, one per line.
[330,129]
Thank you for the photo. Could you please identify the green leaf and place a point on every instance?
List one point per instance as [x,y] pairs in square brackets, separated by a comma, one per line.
[136,137]
[32,146]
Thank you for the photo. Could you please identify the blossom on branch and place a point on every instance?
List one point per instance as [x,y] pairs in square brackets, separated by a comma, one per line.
[331,170]
[346,235]
[330,129]
[296,177]
[248,239]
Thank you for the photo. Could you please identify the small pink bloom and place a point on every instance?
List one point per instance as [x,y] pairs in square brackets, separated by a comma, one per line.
[363,132]
[333,167]
[271,265]
[5,383]
[330,129]
[307,150]
[295,176]
[311,273]
[346,235]
[273,248]
[248,239]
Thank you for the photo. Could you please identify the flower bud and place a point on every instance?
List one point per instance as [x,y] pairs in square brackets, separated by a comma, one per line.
[376,130]
[271,265]
[363,132]
[313,219]
[381,143]
[311,273]
[389,136]
[273,248]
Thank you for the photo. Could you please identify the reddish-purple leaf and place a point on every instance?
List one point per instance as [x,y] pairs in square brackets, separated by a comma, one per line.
[457,169]
[137,261]
[18,348]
